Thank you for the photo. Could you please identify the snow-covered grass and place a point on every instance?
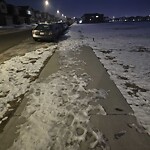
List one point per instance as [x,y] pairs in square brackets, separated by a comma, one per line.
[16,75]
[124,49]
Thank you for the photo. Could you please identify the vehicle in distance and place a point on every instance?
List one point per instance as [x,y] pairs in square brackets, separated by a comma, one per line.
[44,31]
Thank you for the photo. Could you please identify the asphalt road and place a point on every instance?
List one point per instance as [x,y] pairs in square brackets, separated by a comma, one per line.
[9,40]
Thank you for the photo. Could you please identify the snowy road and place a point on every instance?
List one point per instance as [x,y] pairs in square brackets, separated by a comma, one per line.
[10,39]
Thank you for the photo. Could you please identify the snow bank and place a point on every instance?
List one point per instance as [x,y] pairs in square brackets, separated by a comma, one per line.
[17,75]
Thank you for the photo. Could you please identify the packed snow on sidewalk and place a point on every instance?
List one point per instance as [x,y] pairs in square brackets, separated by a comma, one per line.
[15,28]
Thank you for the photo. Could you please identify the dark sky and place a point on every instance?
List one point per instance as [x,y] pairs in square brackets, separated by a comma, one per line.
[77,8]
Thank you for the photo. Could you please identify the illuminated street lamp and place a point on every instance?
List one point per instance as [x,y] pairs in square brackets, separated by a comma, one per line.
[58,11]
[113,20]
[46,3]
[62,15]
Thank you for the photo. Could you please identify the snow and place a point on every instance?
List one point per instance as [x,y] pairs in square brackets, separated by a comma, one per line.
[57,115]
[58,108]
[17,73]
[124,49]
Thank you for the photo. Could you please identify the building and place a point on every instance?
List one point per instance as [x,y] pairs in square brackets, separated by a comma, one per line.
[3,13]
[25,14]
[36,16]
[13,13]
[92,18]
[16,15]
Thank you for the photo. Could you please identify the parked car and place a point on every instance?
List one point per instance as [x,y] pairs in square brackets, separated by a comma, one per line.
[63,26]
[44,31]
[34,25]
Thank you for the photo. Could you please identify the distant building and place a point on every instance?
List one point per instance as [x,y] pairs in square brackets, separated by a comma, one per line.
[3,7]
[3,13]
[25,13]
[131,19]
[92,18]
[13,13]
[36,16]
[107,19]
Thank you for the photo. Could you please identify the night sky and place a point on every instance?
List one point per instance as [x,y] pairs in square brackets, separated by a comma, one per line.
[77,8]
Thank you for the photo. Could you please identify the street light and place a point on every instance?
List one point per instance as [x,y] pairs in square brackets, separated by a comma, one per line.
[58,11]
[46,2]
[62,15]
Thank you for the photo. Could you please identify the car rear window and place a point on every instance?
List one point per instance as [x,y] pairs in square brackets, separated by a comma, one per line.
[44,27]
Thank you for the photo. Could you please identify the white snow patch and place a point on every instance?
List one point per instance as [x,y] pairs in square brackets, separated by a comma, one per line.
[17,74]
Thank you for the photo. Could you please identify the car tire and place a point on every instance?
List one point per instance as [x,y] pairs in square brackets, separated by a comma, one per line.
[35,39]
